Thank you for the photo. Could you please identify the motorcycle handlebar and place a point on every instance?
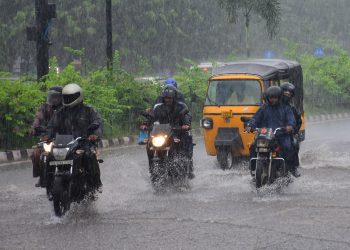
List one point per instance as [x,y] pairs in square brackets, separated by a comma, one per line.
[280,129]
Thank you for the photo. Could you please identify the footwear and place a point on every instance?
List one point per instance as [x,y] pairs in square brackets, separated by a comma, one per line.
[295,173]
[191,176]
[50,196]
[38,184]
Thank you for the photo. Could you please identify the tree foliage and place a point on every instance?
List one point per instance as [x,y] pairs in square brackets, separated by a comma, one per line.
[268,10]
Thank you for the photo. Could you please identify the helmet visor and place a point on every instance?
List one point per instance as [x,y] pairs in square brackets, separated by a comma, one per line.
[54,98]
[68,99]
[287,93]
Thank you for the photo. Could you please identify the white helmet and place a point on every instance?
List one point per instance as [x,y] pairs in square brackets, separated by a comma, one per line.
[72,95]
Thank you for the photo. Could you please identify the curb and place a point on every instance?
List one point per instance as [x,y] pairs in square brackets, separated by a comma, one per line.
[327,117]
[13,156]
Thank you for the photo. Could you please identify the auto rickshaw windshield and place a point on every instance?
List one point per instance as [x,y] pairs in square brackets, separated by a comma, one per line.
[234,93]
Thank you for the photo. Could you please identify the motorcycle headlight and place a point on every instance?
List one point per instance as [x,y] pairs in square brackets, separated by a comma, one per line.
[262,143]
[48,147]
[158,141]
[60,154]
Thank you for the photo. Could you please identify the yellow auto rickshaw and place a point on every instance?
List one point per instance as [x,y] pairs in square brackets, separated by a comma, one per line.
[236,91]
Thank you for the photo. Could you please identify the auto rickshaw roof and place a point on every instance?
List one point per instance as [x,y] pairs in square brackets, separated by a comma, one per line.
[266,68]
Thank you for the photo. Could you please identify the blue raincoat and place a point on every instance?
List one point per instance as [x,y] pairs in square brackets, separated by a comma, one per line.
[274,117]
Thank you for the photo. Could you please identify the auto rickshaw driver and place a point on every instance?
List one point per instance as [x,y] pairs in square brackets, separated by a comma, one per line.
[236,93]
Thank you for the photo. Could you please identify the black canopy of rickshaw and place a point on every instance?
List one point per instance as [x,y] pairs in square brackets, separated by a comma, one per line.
[269,69]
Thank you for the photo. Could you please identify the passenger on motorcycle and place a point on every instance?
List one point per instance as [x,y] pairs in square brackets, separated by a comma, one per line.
[176,113]
[179,96]
[288,91]
[39,128]
[274,115]
[79,120]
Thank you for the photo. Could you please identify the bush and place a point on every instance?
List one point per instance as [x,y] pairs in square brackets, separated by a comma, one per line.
[115,94]
[326,79]
[19,101]
[193,83]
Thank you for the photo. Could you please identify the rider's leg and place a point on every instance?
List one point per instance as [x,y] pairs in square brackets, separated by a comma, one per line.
[93,168]
[188,147]
[35,157]
[288,154]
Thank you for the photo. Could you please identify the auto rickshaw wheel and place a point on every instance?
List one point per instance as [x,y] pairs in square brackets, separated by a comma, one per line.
[225,158]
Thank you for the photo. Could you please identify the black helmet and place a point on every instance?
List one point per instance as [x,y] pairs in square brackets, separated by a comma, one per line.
[54,96]
[287,86]
[169,91]
[273,91]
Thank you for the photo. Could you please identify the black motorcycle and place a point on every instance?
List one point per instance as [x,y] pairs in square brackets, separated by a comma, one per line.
[168,162]
[68,174]
[268,165]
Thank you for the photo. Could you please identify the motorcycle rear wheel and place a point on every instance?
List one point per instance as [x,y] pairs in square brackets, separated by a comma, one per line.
[179,170]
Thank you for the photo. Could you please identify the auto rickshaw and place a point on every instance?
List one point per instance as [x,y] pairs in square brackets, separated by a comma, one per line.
[235,92]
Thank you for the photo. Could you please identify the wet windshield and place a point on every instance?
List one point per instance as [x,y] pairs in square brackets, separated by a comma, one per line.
[161,129]
[234,92]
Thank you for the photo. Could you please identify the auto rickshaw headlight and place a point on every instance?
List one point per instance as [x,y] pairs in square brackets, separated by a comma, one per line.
[207,123]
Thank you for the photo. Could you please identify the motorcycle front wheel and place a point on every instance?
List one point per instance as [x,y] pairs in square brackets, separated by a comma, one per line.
[259,174]
[61,201]
[158,175]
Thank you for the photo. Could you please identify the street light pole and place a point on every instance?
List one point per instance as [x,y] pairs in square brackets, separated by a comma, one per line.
[109,34]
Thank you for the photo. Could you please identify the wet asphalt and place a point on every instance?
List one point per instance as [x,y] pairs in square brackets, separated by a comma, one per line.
[221,210]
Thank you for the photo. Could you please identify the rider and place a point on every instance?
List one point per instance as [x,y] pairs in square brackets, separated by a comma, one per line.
[79,120]
[39,128]
[273,115]
[176,113]
[188,139]
[288,91]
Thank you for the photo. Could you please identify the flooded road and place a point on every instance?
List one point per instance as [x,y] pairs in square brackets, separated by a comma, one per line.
[220,211]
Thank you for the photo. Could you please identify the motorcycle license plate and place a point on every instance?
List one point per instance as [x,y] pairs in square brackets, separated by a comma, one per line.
[59,163]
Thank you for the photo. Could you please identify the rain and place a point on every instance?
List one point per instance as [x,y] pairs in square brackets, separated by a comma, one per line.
[121,53]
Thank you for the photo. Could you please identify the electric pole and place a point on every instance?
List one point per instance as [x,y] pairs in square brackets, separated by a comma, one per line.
[44,12]
[109,34]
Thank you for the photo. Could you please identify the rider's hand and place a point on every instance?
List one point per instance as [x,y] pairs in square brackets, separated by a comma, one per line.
[185,127]
[143,127]
[289,129]
[45,138]
[248,129]
[93,137]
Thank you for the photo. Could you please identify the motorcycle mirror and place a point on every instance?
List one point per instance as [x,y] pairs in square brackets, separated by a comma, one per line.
[245,119]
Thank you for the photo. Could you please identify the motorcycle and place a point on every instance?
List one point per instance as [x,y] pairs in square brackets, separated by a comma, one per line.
[168,163]
[44,146]
[268,165]
[71,181]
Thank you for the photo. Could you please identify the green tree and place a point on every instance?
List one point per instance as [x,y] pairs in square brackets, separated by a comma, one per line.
[268,10]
